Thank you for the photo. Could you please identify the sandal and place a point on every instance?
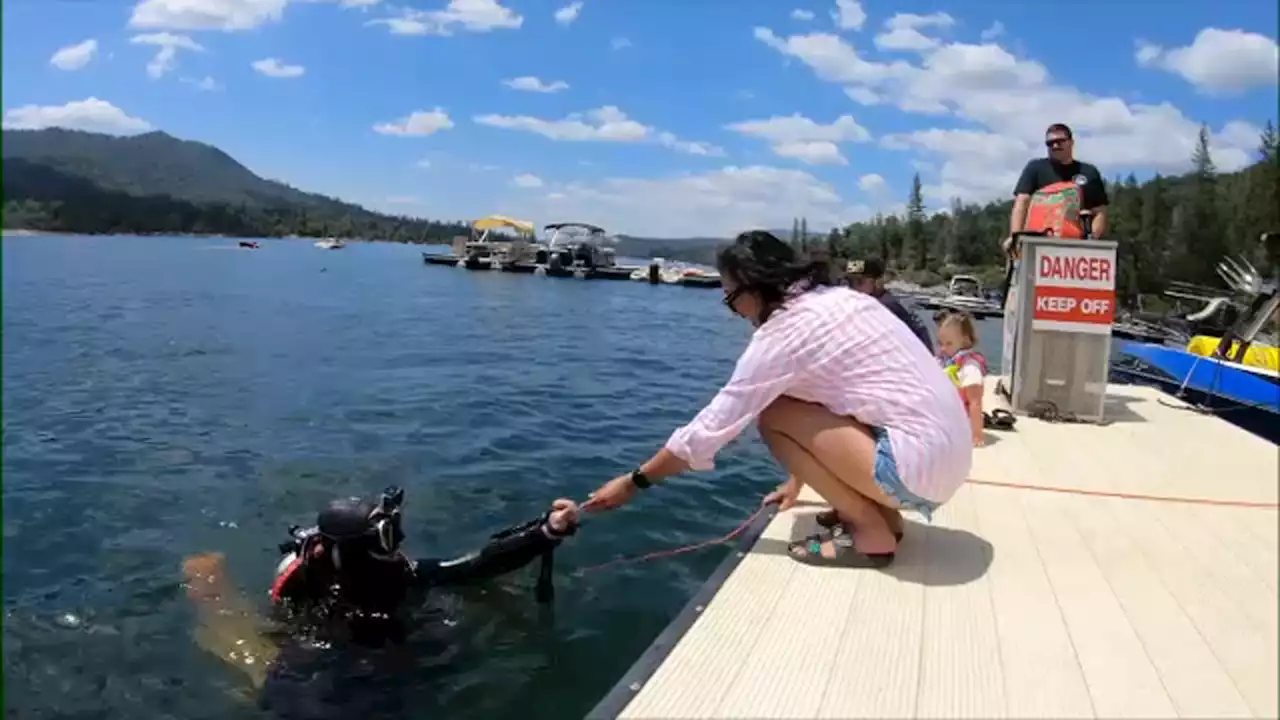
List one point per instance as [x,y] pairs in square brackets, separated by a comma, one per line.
[999,419]
[830,519]
[809,552]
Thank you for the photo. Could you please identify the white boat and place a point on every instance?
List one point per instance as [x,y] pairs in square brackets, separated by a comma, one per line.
[965,295]
[330,244]
[583,250]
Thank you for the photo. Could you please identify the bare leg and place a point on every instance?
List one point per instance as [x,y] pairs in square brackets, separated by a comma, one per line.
[836,456]
[228,625]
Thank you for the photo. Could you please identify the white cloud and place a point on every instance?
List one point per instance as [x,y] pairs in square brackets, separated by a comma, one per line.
[994,31]
[604,124]
[688,147]
[166,58]
[274,68]
[417,123]
[403,200]
[904,39]
[1218,61]
[567,14]
[1009,102]
[849,15]
[619,43]
[206,14]
[90,114]
[529,83]
[225,15]
[74,57]
[903,31]
[871,183]
[800,138]
[801,15]
[424,163]
[863,95]
[527,180]
[477,16]
[720,203]
[205,84]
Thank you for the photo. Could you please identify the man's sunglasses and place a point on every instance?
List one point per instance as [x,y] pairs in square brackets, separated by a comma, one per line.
[1056,142]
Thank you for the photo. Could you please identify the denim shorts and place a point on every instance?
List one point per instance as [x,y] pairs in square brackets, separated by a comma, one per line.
[890,482]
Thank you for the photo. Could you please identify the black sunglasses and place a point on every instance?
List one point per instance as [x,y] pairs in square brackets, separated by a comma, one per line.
[732,296]
[1056,142]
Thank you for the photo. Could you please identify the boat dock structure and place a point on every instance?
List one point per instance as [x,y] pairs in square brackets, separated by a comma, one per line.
[1126,569]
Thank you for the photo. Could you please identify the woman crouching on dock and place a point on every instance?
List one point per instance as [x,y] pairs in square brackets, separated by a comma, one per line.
[845,396]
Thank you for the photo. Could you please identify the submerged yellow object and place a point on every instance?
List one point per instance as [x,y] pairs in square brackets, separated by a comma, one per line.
[1266,357]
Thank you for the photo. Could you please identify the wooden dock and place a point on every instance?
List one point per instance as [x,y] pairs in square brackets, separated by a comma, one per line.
[1017,601]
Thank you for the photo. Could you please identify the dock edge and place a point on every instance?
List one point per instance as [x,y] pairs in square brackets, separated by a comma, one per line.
[634,679]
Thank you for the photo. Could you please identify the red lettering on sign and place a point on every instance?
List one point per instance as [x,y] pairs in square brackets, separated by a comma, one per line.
[1086,267]
[1075,305]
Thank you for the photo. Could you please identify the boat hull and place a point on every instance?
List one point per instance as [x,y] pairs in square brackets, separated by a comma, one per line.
[1249,399]
[433,259]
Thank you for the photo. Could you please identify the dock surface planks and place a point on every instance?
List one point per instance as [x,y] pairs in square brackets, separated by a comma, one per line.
[1016,602]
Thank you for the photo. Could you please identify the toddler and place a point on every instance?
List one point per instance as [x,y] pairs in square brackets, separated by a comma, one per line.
[965,365]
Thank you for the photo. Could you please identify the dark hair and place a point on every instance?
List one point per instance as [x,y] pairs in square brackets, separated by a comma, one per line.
[761,263]
[1059,127]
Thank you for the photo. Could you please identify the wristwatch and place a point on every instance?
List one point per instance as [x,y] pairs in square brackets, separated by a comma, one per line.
[638,477]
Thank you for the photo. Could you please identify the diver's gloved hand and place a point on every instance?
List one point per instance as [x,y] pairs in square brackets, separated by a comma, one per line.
[564,517]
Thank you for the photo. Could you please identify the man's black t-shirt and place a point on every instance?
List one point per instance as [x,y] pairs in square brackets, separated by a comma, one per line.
[894,306]
[1043,172]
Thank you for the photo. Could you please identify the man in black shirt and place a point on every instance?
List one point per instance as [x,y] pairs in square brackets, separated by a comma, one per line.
[867,277]
[1059,168]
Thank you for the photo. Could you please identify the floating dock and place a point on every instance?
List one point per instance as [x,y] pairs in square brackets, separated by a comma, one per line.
[1053,585]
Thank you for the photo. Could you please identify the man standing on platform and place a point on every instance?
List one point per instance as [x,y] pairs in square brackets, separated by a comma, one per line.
[1055,191]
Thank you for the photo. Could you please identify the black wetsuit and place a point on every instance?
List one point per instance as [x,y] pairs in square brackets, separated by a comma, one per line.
[366,604]
[346,581]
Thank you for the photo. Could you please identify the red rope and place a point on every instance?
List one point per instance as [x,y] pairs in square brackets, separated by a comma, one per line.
[679,550]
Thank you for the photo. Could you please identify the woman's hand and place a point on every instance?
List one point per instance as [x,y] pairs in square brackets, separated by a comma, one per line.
[612,495]
[785,495]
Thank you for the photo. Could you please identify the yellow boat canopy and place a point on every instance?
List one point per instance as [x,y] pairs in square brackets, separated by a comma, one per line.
[494,222]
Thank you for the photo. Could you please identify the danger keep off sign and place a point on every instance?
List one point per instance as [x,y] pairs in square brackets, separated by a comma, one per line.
[1075,290]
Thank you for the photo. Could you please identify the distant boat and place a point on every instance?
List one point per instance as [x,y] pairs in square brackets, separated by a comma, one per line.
[331,244]
[249,244]
[965,295]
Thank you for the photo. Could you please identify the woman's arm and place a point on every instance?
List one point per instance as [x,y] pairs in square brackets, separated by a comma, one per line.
[228,626]
[771,365]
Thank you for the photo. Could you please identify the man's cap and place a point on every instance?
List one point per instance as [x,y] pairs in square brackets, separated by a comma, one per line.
[872,268]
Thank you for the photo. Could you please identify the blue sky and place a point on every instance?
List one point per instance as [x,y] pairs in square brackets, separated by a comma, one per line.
[694,117]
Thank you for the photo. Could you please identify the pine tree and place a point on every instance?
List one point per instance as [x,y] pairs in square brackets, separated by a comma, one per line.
[916,245]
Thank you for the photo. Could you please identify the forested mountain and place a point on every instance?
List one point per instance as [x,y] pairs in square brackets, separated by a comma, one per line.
[73,181]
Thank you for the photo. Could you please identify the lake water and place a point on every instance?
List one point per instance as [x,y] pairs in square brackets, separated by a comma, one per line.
[171,396]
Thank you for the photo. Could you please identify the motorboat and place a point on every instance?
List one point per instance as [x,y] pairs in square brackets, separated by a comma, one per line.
[964,294]
[583,250]
[1237,374]
[251,244]
[331,243]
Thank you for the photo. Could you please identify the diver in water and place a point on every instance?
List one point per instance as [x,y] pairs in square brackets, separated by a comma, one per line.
[348,576]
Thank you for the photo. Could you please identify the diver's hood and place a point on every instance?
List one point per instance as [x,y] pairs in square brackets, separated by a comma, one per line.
[373,526]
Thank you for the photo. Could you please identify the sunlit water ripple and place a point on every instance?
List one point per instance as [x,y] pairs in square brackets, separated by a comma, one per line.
[168,396]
